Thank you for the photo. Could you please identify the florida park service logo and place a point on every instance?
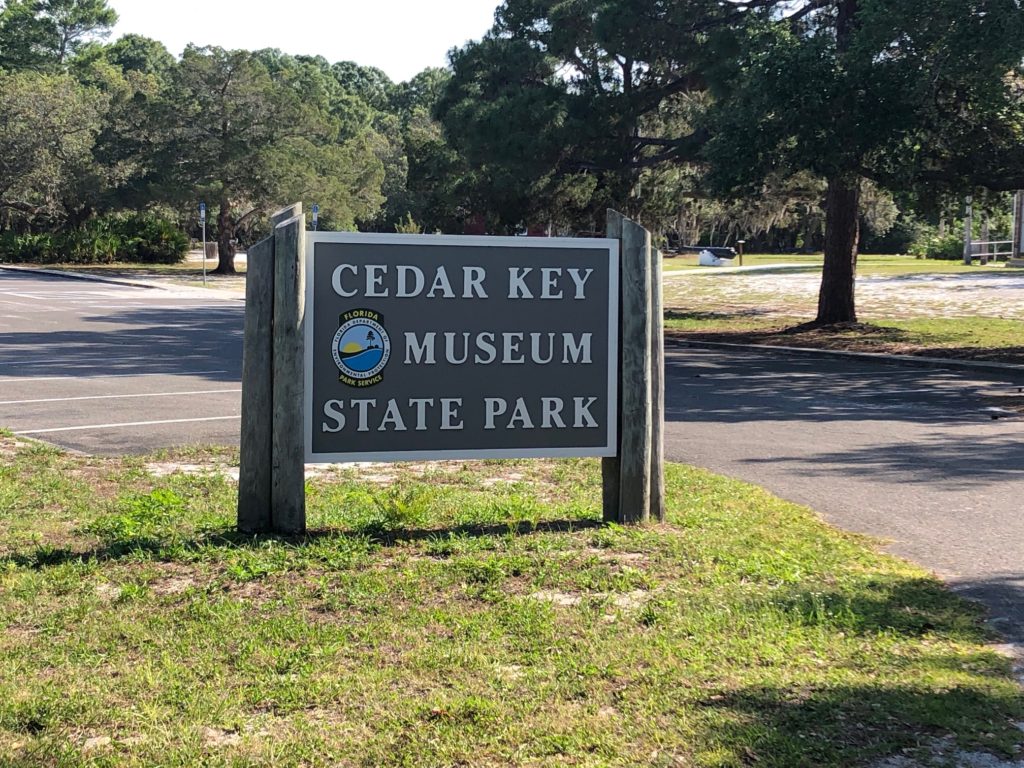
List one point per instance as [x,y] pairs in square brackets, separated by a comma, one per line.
[361,348]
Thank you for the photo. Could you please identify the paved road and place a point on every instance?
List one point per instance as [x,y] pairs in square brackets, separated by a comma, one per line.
[902,453]
[113,369]
[896,452]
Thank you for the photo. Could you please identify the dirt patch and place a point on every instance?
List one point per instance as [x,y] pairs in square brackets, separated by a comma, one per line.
[108,592]
[615,558]
[172,585]
[95,743]
[564,599]
[626,601]
[219,738]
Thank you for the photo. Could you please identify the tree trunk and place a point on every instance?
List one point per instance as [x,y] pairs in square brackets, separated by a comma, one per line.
[842,235]
[225,239]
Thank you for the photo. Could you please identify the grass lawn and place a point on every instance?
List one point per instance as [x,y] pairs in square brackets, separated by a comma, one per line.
[471,614]
[866,264]
[974,338]
[932,312]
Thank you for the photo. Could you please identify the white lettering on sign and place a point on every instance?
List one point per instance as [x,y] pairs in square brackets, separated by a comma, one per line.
[336,280]
[375,280]
[404,292]
[421,353]
[474,283]
[446,414]
[407,281]
[579,281]
[584,418]
[517,288]
[575,348]
[549,282]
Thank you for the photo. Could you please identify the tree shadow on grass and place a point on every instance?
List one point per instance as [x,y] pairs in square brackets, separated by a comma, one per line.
[172,547]
[842,725]
[904,607]
[838,723]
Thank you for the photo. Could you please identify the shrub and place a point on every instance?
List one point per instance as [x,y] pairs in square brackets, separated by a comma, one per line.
[901,238]
[155,241]
[949,247]
[139,238]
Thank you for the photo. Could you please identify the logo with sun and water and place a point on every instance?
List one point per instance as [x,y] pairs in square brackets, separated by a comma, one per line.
[361,348]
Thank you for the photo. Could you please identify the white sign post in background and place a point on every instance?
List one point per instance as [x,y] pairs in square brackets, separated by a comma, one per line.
[202,220]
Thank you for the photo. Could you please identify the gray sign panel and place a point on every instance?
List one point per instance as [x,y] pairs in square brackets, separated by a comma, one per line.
[442,347]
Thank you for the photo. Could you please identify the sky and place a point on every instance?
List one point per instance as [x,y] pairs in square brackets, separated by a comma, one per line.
[401,37]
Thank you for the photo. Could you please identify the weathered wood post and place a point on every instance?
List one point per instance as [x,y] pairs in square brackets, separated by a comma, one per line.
[986,238]
[610,465]
[969,232]
[256,456]
[657,388]
[636,430]
[288,498]
[1018,226]
[256,453]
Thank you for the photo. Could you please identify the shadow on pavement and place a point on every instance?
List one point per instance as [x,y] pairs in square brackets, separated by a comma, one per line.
[936,459]
[736,386]
[205,342]
[1003,594]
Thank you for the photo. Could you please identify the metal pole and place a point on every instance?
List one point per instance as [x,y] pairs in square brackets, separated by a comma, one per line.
[204,251]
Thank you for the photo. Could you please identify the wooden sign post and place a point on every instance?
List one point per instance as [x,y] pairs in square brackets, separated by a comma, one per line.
[315,356]
[634,480]
[268,499]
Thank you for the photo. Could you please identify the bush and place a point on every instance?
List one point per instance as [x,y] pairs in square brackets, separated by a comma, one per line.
[949,247]
[139,238]
[156,241]
[901,238]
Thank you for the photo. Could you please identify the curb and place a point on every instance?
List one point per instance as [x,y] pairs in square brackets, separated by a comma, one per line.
[80,276]
[740,270]
[905,360]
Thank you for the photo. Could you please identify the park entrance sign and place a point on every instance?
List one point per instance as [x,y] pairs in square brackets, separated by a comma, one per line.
[363,347]
[441,347]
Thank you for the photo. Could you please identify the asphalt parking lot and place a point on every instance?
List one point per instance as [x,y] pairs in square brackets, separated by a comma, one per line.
[111,369]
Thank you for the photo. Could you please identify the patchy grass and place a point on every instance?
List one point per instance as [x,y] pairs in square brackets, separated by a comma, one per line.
[964,338]
[867,264]
[478,614]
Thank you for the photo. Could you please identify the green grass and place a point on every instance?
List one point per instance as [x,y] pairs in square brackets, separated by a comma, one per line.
[466,614]
[866,264]
[975,338]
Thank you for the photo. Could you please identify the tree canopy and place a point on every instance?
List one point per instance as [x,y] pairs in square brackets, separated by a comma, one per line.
[639,103]
[790,123]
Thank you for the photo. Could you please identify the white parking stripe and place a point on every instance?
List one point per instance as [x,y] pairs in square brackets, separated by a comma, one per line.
[121,397]
[17,379]
[123,424]
[105,360]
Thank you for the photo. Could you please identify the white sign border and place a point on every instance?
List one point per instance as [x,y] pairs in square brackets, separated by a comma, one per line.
[602,245]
